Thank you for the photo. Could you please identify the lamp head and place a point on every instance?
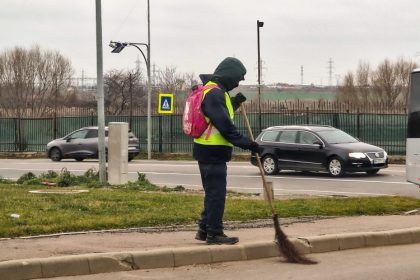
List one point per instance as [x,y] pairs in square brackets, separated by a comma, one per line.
[117,46]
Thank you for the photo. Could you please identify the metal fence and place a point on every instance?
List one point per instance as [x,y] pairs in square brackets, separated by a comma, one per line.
[382,127]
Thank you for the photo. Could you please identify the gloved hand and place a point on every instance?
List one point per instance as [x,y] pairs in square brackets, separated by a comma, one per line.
[255,147]
[240,98]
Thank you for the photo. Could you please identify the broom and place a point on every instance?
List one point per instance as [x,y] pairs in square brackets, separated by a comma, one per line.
[287,248]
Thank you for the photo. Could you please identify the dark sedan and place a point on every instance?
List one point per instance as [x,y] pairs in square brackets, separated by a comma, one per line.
[317,148]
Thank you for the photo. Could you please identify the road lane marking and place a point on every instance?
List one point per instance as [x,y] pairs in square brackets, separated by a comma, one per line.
[318,191]
[230,175]
[275,189]
[280,177]
[399,169]
[285,190]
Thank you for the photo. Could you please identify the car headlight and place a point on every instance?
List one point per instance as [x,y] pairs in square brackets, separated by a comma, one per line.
[357,155]
[385,154]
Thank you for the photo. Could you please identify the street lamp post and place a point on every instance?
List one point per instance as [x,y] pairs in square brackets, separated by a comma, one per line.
[118,47]
[100,95]
[259,24]
[149,89]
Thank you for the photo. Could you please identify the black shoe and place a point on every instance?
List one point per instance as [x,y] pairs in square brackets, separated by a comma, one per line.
[201,235]
[221,239]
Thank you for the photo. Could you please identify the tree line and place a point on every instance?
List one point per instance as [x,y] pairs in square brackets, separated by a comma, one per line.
[387,84]
[36,83]
[33,80]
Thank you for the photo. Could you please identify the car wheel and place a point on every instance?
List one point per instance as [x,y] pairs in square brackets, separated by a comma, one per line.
[336,167]
[372,172]
[130,158]
[270,165]
[55,154]
[79,159]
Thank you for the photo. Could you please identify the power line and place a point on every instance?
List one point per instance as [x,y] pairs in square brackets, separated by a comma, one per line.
[301,75]
[330,71]
[262,70]
[138,62]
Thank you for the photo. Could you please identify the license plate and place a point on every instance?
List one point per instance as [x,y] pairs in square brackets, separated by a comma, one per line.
[378,161]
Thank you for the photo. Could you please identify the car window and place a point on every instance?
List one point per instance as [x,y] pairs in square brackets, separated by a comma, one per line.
[93,133]
[307,138]
[336,136]
[81,134]
[288,136]
[270,136]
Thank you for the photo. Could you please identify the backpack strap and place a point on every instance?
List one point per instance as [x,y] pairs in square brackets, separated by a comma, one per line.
[210,87]
[209,131]
[210,124]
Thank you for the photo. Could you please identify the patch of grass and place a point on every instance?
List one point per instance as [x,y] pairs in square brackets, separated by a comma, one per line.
[62,179]
[127,206]
[5,181]
[26,177]
[49,175]
[142,184]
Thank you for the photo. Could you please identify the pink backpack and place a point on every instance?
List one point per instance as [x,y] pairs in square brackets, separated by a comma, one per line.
[193,121]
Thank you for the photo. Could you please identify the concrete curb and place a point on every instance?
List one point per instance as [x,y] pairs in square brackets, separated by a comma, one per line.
[174,257]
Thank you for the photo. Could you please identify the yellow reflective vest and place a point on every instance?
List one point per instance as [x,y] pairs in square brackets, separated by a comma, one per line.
[212,136]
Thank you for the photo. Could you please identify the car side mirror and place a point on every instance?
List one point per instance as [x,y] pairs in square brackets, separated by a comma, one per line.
[68,139]
[319,143]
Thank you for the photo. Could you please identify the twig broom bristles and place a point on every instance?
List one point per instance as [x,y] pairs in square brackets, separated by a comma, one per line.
[287,248]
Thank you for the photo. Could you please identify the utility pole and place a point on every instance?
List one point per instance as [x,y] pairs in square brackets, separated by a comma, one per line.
[259,25]
[130,89]
[330,71]
[154,75]
[138,64]
[149,89]
[301,75]
[100,95]
[83,80]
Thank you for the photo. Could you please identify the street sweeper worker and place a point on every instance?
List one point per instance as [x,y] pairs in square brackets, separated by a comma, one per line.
[214,147]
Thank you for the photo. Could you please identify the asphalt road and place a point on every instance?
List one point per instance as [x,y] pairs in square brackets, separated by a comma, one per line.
[242,177]
[380,263]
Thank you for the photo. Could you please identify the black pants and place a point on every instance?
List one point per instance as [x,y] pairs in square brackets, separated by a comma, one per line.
[213,177]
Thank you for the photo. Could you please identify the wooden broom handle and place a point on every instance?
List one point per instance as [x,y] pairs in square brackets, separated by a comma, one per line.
[248,126]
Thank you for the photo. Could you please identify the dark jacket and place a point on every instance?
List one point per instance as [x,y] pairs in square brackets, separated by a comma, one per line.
[227,75]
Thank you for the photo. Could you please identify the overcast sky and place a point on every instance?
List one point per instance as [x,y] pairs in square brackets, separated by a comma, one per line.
[195,35]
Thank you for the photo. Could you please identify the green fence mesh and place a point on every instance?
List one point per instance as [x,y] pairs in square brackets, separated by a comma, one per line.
[385,130]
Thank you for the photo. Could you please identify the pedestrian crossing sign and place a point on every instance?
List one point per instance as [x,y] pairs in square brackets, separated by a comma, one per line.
[166,103]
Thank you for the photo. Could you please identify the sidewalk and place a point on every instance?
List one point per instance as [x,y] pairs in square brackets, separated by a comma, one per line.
[137,242]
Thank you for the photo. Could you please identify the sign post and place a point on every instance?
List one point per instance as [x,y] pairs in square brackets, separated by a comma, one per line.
[166,103]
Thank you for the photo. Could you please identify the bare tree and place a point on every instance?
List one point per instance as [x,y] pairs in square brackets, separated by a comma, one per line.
[60,79]
[169,80]
[190,80]
[124,90]
[363,76]
[403,69]
[386,85]
[383,82]
[31,79]
[347,92]
[121,86]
